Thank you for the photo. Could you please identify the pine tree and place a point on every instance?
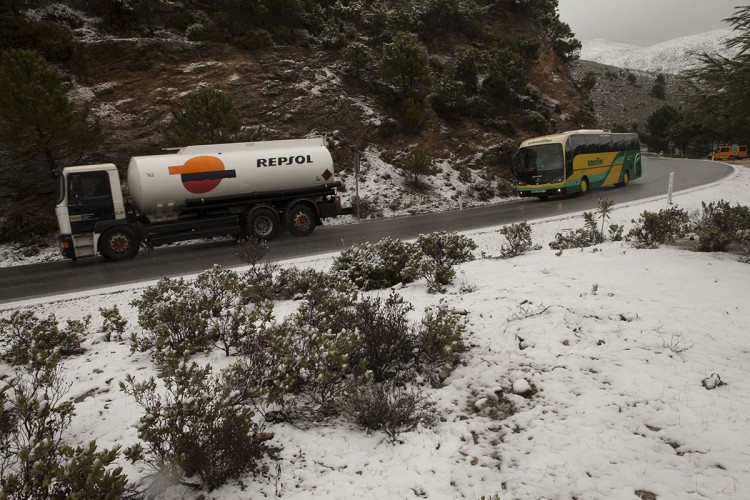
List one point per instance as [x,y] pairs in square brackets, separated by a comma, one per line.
[719,96]
[417,163]
[36,118]
[206,116]
[405,62]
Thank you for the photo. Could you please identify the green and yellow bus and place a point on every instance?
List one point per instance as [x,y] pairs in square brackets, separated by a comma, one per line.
[575,162]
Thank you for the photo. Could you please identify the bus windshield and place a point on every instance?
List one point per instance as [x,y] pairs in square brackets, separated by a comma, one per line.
[540,164]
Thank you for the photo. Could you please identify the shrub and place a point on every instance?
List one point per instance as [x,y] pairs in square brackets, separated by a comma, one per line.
[29,340]
[252,250]
[358,57]
[591,233]
[293,283]
[312,363]
[35,462]
[654,229]
[26,227]
[388,340]
[200,32]
[254,40]
[327,307]
[519,240]
[482,190]
[197,426]
[371,266]
[174,319]
[580,238]
[435,256]
[387,408]
[720,225]
[506,189]
[114,324]
[440,335]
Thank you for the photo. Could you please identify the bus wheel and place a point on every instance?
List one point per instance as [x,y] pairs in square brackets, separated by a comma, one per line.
[119,243]
[301,220]
[584,186]
[625,178]
[262,224]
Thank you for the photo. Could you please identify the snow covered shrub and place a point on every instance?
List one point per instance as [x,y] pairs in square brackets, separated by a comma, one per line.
[434,257]
[114,324]
[388,340]
[372,266]
[293,283]
[252,251]
[591,233]
[519,240]
[315,364]
[583,237]
[197,427]
[720,225]
[654,229]
[358,58]
[482,190]
[200,32]
[506,189]
[441,336]
[174,320]
[388,408]
[35,461]
[29,340]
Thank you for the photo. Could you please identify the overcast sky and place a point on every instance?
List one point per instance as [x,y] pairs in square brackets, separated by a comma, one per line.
[644,22]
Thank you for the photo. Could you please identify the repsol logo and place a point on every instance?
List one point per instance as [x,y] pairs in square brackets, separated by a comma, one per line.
[284,160]
[594,163]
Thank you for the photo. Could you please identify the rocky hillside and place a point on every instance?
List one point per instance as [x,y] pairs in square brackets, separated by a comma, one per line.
[131,80]
[623,98]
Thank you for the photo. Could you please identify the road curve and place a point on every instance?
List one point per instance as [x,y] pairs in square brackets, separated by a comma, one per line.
[50,278]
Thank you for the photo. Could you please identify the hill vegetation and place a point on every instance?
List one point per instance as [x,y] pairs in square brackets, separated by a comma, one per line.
[462,80]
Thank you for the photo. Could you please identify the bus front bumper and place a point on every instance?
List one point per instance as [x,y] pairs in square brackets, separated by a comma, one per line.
[529,193]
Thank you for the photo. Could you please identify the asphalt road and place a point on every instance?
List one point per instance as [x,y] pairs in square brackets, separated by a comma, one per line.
[51,278]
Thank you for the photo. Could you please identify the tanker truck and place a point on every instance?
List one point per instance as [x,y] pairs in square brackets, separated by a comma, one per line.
[243,189]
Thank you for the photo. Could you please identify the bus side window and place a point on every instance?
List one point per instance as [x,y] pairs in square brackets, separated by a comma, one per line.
[591,144]
[606,143]
[576,145]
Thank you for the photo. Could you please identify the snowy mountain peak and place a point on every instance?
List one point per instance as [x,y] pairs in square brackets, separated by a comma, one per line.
[672,56]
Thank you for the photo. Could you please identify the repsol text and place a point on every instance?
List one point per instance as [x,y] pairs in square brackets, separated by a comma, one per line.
[284,160]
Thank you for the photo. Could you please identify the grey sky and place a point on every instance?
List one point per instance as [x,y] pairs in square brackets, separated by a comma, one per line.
[644,22]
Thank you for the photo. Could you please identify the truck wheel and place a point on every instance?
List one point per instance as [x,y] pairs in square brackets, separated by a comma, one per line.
[301,220]
[119,243]
[262,224]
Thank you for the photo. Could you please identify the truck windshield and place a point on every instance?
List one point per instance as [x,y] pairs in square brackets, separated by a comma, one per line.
[540,164]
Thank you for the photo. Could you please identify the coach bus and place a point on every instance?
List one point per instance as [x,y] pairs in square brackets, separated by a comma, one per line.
[575,162]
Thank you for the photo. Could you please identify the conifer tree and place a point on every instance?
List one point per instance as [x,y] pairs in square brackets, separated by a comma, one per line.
[719,96]
[36,118]
[206,116]
[405,62]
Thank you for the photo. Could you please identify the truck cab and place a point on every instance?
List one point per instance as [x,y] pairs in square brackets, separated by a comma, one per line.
[89,199]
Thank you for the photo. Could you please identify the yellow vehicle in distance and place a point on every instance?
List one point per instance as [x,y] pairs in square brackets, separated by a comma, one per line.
[727,152]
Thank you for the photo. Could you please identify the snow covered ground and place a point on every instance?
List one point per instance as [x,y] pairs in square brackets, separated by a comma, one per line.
[615,343]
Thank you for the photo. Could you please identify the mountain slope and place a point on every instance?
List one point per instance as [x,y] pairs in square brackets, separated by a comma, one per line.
[672,56]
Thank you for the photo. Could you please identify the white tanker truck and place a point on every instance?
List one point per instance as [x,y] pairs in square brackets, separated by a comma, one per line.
[248,189]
